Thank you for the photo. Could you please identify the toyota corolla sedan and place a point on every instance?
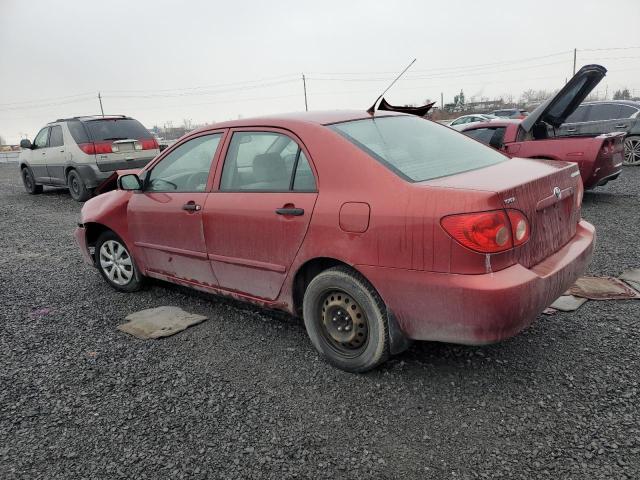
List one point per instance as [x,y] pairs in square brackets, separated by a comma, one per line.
[375,229]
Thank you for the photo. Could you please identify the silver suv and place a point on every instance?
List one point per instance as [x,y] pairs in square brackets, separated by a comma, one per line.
[81,152]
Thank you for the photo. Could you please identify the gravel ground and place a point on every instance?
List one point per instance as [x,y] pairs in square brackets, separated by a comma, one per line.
[244,394]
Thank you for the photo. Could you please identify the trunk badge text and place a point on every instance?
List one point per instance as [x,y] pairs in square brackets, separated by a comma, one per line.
[509,200]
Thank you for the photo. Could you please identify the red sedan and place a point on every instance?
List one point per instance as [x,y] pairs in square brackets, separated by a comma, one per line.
[376,229]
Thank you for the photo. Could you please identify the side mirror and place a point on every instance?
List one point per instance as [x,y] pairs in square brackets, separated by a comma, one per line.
[130,181]
[25,143]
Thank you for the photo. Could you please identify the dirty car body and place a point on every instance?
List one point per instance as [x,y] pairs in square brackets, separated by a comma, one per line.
[599,157]
[452,240]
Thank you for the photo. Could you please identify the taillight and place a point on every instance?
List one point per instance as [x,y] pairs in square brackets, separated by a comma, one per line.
[95,148]
[148,143]
[520,230]
[488,232]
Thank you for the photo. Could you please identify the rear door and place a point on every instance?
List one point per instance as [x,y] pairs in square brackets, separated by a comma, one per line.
[256,221]
[165,219]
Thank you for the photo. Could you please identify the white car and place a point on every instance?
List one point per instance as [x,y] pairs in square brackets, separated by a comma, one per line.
[80,152]
[466,120]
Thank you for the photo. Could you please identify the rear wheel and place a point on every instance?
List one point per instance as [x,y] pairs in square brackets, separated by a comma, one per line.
[116,264]
[346,320]
[632,150]
[29,182]
[79,192]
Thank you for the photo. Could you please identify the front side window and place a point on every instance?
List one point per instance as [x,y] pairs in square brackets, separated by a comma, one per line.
[265,162]
[42,138]
[185,169]
[578,115]
[415,148]
[56,137]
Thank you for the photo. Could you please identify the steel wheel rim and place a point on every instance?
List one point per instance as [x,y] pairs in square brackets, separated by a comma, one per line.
[26,178]
[631,152]
[75,186]
[115,262]
[344,325]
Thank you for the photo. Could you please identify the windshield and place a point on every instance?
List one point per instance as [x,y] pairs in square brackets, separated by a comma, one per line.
[116,129]
[417,149]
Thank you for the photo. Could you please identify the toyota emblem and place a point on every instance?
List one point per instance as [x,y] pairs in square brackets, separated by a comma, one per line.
[557,192]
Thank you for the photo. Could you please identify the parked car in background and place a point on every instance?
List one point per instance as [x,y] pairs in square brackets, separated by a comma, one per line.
[466,120]
[80,152]
[593,118]
[510,113]
[599,157]
[425,234]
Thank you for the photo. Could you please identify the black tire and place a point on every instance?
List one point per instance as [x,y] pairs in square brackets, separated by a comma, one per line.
[122,277]
[29,182]
[78,190]
[365,345]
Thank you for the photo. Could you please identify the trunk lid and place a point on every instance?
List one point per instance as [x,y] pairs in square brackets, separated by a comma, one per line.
[545,191]
[556,109]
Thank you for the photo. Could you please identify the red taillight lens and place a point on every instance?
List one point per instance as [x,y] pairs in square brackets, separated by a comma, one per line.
[520,229]
[148,143]
[95,148]
[488,232]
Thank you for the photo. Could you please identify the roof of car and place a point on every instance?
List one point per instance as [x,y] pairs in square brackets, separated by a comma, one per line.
[286,119]
[86,118]
[631,103]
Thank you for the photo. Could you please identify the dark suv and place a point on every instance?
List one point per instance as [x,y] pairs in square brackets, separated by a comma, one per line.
[595,118]
[81,152]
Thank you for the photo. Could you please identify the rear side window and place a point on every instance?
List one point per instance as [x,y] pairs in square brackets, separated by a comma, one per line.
[116,129]
[265,162]
[78,132]
[627,112]
[417,149]
[607,111]
[55,139]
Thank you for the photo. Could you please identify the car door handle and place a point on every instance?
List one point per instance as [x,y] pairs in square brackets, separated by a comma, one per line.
[295,212]
[191,207]
[571,130]
[620,126]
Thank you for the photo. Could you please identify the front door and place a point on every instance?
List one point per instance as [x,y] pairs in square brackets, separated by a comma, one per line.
[165,219]
[38,160]
[257,219]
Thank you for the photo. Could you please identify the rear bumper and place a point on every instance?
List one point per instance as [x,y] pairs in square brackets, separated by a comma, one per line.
[480,309]
[80,235]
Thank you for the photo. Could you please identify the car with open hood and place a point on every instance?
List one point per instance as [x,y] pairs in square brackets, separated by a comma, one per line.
[599,157]
[376,228]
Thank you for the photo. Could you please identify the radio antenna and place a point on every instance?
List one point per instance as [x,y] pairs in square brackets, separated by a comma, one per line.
[372,109]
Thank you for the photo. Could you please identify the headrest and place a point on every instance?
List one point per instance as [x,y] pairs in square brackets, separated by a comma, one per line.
[268,167]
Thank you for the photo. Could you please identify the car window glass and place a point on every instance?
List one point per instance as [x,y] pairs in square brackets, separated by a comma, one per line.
[578,115]
[55,139]
[417,149]
[626,111]
[116,129]
[259,161]
[41,138]
[497,139]
[304,179]
[483,135]
[603,112]
[185,169]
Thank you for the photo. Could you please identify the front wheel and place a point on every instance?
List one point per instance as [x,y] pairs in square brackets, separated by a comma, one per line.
[346,320]
[29,182]
[116,264]
[632,150]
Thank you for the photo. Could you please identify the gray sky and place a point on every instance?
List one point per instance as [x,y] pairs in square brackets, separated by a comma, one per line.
[164,61]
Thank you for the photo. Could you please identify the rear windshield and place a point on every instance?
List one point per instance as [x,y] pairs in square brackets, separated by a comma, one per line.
[417,149]
[116,129]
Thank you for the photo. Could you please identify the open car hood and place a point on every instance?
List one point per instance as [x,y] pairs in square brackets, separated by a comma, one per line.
[556,109]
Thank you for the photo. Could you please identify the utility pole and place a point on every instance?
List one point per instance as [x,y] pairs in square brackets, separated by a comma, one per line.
[441,101]
[100,100]
[575,50]
[304,85]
